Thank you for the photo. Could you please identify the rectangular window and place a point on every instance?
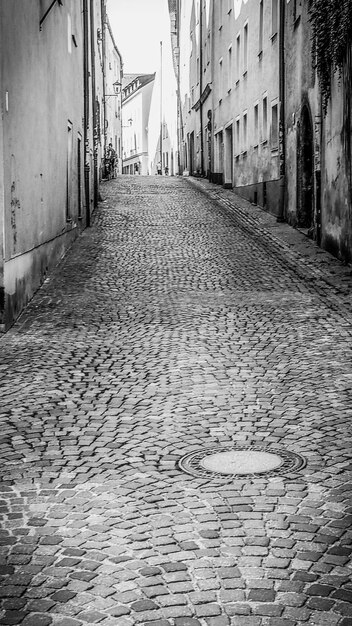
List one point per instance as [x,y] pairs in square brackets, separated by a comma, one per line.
[245,49]
[69,171]
[238,137]
[221,86]
[238,57]
[79,176]
[297,10]
[229,76]
[274,16]
[274,126]
[244,132]
[256,124]
[265,118]
[261,25]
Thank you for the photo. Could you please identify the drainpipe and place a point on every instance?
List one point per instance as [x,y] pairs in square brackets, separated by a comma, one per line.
[94,107]
[282,129]
[201,86]
[161,106]
[103,38]
[86,108]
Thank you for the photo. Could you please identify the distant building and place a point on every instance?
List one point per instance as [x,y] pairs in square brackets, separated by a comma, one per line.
[136,99]
[113,95]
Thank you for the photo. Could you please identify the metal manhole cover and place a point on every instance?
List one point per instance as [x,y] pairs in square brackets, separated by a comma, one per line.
[240,461]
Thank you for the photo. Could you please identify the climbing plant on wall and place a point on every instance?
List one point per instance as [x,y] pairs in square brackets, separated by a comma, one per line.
[332,35]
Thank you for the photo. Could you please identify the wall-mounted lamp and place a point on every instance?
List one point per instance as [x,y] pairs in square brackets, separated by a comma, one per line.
[116,87]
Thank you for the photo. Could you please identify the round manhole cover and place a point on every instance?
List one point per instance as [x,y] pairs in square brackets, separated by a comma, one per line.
[241,461]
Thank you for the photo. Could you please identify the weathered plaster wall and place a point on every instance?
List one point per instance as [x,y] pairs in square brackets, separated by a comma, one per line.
[41,97]
[337,171]
[301,90]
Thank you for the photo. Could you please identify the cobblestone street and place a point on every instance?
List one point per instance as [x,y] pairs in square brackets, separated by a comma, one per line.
[184,319]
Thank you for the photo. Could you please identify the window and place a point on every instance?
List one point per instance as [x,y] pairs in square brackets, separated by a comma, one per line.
[245,132]
[256,124]
[265,118]
[229,76]
[238,137]
[274,16]
[69,171]
[79,176]
[297,10]
[229,5]
[221,86]
[238,57]
[261,25]
[274,126]
[245,48]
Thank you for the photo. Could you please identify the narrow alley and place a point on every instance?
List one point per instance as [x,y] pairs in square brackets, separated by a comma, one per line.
[170,329]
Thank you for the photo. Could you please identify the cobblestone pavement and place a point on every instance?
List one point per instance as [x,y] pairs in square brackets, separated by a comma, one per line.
[180,321]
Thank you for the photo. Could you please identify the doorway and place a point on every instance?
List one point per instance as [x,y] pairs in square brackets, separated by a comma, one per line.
[228,158]
[305,171]
[191,153]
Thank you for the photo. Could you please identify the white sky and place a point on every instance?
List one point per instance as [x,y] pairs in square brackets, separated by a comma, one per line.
[138,27]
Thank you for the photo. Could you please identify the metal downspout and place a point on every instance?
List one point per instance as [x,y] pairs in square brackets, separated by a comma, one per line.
[103,35]
[282,129]
[201,86]
[94,104]
[86,108]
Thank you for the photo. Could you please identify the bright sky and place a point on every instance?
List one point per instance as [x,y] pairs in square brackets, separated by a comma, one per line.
[138,27]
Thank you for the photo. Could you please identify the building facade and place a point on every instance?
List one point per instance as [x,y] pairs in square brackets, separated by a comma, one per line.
[250,113]
[318,140]
[113,95]
[136,99]
[51,137]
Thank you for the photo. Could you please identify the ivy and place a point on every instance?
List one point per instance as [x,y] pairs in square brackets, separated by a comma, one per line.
[332,34]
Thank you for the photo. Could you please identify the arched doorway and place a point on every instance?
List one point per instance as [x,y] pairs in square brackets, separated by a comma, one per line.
[305,171]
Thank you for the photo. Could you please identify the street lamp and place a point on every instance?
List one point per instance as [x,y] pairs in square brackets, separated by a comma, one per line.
[116,87]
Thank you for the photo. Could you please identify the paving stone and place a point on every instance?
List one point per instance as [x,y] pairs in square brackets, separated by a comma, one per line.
[262,595]
[143,605]
[184,318]
[37,620]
